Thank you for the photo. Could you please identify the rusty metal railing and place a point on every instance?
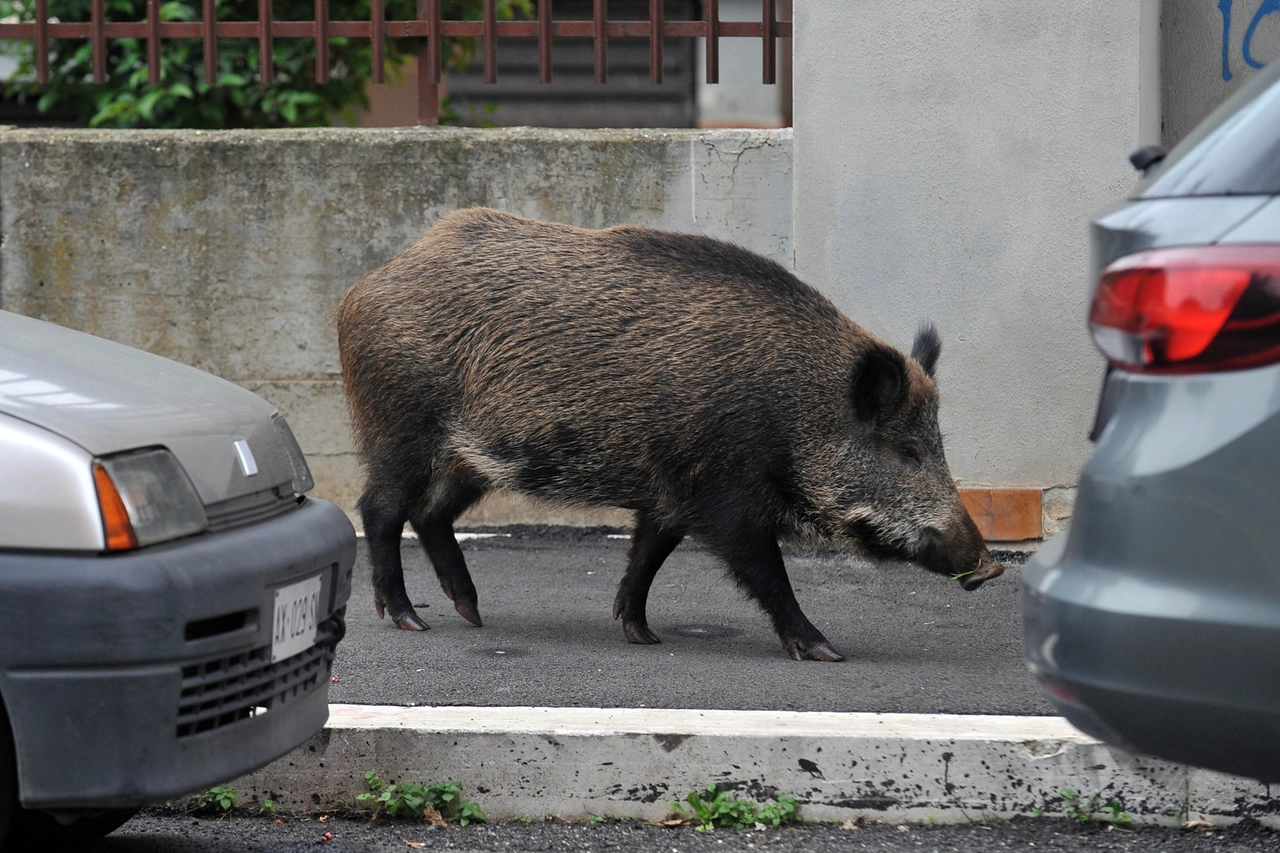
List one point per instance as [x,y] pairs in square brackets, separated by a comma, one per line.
[429,29]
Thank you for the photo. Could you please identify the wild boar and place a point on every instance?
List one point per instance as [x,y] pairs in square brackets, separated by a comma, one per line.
[698,384]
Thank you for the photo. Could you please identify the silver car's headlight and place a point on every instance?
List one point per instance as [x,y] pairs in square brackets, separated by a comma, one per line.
[146,498]
[302,481]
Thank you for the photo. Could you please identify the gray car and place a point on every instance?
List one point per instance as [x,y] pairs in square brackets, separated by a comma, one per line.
[1155,621]
[170,599]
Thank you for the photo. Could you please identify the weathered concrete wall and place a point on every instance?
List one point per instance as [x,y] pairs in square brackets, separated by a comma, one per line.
[1209,49]
[229,251]
[948,158]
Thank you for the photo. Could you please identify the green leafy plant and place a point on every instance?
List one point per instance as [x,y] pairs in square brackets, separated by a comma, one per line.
[1084,809]
[218,800]
[718,808]
[238,97]
[402,799]
[1115,814]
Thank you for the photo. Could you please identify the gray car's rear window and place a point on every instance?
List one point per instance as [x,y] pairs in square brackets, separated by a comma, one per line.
[1235,151]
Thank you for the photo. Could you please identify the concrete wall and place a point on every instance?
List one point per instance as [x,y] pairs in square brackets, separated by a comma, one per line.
[1210,48]
[230,250]
[947,162]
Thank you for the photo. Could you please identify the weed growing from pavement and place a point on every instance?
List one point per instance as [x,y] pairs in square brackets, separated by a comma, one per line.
[1085,809]
[717,808]
[440,802]
[217,800]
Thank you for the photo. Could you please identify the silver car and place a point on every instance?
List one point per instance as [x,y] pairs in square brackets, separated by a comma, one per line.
[1155,621]
[170,600]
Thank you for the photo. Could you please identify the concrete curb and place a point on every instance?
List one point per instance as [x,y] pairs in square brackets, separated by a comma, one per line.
[623,762]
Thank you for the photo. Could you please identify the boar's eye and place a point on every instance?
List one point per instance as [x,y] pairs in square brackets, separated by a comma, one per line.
[910,454]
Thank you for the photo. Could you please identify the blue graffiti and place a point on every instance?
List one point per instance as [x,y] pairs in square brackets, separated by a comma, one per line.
[1265,8]
[1224,6]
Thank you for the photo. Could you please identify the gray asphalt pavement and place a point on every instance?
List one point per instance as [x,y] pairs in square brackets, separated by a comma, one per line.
[153,833]
[915,641]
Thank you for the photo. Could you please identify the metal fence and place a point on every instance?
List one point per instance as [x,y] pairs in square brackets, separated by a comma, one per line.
[428,29]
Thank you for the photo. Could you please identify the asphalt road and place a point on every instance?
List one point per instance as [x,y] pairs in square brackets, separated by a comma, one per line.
[154,833]
[915,641]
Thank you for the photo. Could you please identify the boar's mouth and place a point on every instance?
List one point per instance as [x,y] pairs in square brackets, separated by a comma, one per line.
[967,561]
[931,552]
[987,569]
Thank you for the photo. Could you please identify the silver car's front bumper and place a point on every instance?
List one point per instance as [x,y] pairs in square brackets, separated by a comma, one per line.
[136,677]
[1155,621]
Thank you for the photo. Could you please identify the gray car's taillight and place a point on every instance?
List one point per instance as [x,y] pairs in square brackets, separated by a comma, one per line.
[1190,310]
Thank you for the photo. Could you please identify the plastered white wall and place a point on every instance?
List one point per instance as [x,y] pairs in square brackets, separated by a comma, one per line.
[948,158]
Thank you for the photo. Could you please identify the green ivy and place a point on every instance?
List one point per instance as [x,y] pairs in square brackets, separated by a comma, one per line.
[238,98]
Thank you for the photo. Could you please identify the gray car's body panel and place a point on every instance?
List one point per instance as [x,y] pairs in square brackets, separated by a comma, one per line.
[47,496]
[112,657]
[137,675]
[1155,620]
[107,398]
[1135,227]
[1160,608]
[1262,226]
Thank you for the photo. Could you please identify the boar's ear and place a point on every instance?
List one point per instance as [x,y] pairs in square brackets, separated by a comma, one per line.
[927,347]
[879,383]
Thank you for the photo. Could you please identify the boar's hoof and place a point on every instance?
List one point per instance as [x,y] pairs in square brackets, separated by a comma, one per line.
[410,622]
[639,633]
[987,570]
[468,610]
[806,650]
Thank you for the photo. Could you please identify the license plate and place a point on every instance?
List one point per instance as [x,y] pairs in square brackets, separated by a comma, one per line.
[294,626]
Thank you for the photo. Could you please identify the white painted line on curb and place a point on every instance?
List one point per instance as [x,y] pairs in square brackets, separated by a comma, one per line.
[461,537]
[621,721]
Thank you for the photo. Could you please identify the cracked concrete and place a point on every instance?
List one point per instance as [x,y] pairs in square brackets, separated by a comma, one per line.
[629,762]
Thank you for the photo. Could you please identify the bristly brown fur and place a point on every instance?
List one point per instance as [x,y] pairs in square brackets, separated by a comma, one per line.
[699,384]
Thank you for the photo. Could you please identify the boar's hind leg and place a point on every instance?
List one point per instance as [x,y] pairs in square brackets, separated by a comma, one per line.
[382,528]
[650,545]
[434,527]
[758,568]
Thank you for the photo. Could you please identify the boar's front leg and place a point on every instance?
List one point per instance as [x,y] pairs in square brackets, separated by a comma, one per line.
[651,544]
[383,524]
[756,564]
[442,548]
[449,498]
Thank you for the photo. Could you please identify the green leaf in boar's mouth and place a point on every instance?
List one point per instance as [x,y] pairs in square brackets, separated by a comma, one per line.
[959,575]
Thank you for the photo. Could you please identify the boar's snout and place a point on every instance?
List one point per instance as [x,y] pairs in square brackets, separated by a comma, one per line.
[962,555]
[987,569]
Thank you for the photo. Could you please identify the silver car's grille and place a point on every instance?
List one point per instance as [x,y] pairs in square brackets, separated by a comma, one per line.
[248,509]
[223,691]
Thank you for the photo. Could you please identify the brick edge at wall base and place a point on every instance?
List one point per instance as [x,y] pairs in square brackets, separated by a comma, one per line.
[1019,515]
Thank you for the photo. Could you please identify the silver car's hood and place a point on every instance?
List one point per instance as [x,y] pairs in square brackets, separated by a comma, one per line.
[107,397]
